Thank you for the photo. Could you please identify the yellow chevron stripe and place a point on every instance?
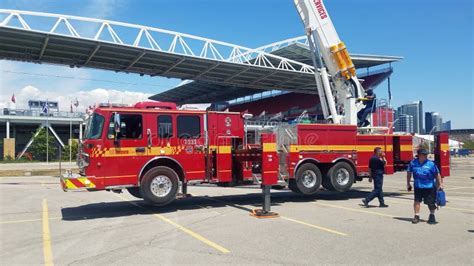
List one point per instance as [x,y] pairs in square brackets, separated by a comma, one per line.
[86,182]
[69,184]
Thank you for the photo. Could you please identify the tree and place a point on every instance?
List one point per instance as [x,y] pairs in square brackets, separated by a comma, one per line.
[38,147]
[74,148]
[468,145]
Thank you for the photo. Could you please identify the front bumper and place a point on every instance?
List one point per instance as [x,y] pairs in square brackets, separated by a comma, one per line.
[77,182]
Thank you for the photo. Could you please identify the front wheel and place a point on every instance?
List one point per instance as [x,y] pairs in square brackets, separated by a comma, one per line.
[135,191]
[308,179]
[159,185]
[340,177]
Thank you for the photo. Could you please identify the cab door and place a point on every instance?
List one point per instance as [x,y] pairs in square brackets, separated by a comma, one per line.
[190,139]
[126,150]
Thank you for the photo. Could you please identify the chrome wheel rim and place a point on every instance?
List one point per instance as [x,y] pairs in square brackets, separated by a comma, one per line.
[342,177]
[161,186]
[309,179]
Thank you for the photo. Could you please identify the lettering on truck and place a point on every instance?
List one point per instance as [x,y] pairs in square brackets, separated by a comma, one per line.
[320,8]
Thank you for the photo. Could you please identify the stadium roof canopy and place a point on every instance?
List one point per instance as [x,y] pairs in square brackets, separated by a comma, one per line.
[295,49]
[222,71]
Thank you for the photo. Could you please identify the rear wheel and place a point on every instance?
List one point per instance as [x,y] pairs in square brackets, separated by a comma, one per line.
[308,178]
[135,191]
[159,185]
[340,177]
[327,184]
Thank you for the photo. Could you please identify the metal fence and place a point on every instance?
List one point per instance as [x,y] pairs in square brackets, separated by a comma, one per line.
[39,113]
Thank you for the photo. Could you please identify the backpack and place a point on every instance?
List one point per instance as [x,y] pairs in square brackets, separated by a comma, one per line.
[441,198]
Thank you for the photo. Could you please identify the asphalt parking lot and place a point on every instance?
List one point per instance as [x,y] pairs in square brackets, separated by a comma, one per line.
[39,223]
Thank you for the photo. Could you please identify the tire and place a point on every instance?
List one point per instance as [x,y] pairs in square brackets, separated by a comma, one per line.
[159,185]
[340,177]
[308,178]
[292,186]
[327,185]
[135,191]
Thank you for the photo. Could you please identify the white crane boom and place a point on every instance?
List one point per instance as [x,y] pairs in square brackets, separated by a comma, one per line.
[338,95]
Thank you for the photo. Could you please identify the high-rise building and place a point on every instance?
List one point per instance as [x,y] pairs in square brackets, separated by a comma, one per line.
[433,122]
[446,126]
[405,124]
[437,122]
[428,122]
[414,109]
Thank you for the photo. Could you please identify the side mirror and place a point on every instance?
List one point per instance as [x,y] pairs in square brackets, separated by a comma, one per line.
[116,119]
[148,135]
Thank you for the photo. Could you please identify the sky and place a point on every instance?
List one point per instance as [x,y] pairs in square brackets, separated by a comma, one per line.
[434,37]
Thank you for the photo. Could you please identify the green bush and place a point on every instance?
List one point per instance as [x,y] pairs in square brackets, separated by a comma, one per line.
[38,147]
[468,145]
[74,148]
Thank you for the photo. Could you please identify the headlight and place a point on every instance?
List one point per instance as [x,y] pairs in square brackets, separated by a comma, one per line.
[83,160]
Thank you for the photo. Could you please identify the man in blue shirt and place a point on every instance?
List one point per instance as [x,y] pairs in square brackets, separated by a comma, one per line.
[376,170]
[424,174]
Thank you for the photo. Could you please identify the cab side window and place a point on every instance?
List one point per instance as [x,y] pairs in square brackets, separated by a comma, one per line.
[188,126]
[131,126]
[165,126]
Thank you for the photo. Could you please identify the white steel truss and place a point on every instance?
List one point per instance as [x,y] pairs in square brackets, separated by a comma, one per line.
[151,38]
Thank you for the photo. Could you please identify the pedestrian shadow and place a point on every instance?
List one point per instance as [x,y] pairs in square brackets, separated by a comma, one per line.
[246,203]
[406,219]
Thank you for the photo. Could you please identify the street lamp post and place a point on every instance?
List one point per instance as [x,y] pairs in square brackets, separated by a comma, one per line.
[429,140]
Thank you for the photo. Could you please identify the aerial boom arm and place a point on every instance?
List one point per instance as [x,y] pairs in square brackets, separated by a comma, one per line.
[324,42]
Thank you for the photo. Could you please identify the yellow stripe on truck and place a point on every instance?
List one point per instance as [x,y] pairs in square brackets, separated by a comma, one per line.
[444,147]
[69,185]
[86,182]
[269,147]
[224,149]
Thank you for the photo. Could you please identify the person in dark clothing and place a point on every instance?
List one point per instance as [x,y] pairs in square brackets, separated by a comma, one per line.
[376,170]
[369,105]
[427,181]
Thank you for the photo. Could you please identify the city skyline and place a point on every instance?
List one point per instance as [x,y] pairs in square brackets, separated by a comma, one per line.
[411,116]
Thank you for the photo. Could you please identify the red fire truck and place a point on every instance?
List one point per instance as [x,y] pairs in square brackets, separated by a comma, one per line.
[152,149]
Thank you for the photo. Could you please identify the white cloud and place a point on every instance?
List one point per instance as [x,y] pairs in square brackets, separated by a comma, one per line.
[85,98]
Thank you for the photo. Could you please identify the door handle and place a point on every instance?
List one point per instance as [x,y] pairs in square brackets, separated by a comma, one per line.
[140,149]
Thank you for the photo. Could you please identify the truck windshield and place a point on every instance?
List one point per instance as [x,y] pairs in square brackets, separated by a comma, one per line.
[94,126]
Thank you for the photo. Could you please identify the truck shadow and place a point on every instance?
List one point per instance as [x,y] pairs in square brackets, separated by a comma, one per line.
[242,202]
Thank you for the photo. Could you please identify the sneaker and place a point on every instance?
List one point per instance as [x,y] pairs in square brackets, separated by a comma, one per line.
[383,205]
[366,203]
[432,219]
[416,219]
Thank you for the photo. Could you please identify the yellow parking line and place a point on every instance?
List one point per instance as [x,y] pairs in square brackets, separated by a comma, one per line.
[460,188]
[354,210]
[27,220]
[286,218]
[314,226]
[180,227]
[402,190]
[445,207]
[47,251]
